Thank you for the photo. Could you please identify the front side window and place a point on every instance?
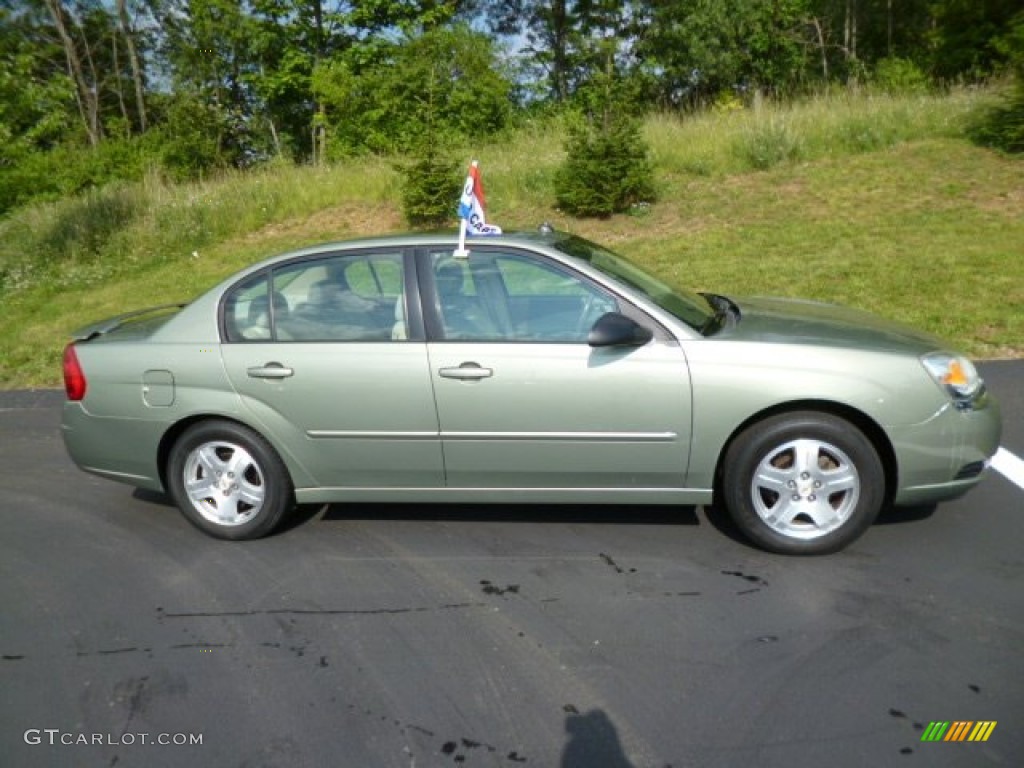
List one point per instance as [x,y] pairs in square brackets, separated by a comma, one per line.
[494,296]
[355,297]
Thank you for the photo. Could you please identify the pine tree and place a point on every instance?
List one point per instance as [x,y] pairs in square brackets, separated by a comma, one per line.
[430,193]
[607,170]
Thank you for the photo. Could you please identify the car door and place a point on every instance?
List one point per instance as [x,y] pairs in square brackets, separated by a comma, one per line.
[524,402]
[323,356]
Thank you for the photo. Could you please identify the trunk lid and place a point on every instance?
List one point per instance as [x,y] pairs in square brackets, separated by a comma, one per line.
[130,326]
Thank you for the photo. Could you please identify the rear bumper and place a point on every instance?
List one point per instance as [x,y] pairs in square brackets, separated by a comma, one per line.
[947,455]
[124,450]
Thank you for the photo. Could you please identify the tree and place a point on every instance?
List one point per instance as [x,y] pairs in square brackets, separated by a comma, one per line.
[254,60]
[208,47]
[36,94]
[138,79]
[560,39]
[699,49]
[430,188]
[606,170]
[965,37]
[63,76]
[85,79]
[1003,125]
[448,71]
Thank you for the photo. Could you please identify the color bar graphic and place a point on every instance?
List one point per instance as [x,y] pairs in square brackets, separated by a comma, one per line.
[935,731]
[982,731]
[958,730]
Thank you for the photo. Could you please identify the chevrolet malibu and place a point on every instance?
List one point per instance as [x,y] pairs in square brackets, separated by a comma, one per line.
[534,368]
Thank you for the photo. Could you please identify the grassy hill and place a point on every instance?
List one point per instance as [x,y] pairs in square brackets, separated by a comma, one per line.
[868,200]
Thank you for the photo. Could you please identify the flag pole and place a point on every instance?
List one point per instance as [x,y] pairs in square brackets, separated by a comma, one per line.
[461,252]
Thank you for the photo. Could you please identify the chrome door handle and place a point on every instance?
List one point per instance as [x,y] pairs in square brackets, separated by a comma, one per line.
[270,371]
[467,372]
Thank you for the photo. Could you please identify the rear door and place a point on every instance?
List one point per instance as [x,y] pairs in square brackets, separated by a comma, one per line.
[325,356]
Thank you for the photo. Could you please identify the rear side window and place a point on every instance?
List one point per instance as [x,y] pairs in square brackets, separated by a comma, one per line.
[247,310]
[355,297]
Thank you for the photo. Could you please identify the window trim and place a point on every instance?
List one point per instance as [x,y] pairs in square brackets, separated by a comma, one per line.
[229,293]
[413,306]
[431,309]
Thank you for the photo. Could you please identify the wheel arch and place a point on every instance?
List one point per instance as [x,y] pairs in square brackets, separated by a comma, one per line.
[867,425]
[176,430]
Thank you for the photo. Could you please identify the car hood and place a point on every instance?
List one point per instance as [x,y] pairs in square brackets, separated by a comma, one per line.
[793,321]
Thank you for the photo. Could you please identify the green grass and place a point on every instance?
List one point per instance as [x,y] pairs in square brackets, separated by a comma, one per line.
[836,124]
[872,201]
[931,233]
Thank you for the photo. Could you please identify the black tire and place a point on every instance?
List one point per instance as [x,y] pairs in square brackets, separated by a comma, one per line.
[803,483]
[248,497]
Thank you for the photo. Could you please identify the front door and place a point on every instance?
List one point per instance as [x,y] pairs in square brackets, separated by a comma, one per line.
[524,402]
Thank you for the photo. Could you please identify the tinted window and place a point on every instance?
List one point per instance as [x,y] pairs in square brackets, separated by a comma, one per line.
[493,296]
[355,297]
[247,311]
[690,308]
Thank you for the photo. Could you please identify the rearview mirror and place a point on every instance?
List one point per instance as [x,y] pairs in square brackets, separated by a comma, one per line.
[617,330]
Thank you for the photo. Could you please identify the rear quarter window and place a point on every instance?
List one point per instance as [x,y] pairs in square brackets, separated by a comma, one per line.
[246,310]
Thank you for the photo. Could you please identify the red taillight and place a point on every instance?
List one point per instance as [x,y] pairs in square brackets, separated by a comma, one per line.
[74,376]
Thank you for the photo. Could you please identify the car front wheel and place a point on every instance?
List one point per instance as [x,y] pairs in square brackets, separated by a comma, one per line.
[228,481]
[803,483]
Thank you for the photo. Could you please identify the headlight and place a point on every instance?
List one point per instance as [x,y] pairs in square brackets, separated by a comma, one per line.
[955,374]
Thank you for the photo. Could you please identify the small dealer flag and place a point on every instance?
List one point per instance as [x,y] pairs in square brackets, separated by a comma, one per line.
[471,205]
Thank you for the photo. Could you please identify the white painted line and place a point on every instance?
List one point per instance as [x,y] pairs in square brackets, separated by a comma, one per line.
[1009,466]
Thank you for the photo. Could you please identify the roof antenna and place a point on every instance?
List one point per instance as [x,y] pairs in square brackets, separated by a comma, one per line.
[546,229]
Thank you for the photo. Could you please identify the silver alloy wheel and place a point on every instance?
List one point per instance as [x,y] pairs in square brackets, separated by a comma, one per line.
[224,483]
[804,489]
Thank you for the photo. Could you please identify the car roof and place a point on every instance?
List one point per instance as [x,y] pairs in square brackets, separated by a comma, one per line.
[545,236]
[548,237]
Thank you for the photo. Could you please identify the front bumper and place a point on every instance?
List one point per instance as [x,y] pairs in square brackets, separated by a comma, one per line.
[947,455]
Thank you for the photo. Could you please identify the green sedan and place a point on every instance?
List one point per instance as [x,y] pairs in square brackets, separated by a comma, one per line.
[539,368]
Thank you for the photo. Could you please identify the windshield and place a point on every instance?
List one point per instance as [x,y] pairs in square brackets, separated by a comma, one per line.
[688,307]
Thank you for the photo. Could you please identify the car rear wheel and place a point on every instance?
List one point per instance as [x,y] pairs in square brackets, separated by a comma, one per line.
[803,483]
[228,481]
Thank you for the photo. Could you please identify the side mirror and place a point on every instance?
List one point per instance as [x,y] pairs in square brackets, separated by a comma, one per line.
[615,330]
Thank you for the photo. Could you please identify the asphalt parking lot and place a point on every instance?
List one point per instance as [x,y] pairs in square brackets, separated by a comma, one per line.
[370,635]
